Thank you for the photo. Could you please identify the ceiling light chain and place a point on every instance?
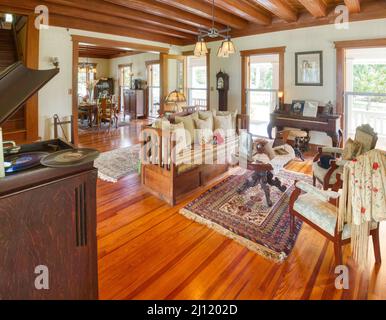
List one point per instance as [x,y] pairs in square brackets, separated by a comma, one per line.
[227,47]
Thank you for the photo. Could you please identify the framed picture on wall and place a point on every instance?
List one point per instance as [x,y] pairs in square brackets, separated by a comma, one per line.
[309,68]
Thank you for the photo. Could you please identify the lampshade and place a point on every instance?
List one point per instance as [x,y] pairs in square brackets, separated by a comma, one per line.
[201,49]
[227,48]
[175,97]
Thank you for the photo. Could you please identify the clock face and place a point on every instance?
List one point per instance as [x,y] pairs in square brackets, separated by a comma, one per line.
[220,83]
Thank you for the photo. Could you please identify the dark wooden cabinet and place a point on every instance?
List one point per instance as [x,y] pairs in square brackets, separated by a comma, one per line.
[134,103]
[51,224]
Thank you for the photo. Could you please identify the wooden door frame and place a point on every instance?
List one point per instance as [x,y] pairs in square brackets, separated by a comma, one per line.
[341,47]
[164,58]
[245,56]
[76,40]
[147,64]
[31,61]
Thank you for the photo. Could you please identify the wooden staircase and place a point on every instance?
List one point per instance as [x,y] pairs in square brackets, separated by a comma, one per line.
[8,51]
[15,127]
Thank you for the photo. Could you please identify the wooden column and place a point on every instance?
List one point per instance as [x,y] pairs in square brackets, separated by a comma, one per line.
[32,61]
[75,60]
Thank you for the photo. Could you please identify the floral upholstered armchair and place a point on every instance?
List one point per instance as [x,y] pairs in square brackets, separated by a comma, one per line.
[365,140]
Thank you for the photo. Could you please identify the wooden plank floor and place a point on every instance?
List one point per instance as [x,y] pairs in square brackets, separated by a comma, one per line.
[147,250]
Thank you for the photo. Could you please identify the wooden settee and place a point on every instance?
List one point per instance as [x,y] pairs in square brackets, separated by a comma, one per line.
[169,180]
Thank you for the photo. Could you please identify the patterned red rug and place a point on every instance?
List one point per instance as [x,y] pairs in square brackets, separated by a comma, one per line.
[246,217]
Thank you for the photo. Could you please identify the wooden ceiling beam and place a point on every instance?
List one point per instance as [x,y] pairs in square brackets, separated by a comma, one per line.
[316,7]
[98,17]
[279,8]
[118,44]
[114,10]
[354,6]
[243,10]
[201,8]
[160,9]
[81,24]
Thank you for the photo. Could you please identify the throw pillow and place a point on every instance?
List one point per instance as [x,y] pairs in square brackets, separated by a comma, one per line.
[268,150]
[178,130]
[224,125]
[351,150]
[205,115]
[188,122]
[227,113]
[204,131]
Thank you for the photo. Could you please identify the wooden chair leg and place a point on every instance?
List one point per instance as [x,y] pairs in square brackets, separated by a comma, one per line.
[338,252]
[376,245]
[314,181]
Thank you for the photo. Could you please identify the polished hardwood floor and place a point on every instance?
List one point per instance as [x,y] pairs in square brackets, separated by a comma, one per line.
[147,250]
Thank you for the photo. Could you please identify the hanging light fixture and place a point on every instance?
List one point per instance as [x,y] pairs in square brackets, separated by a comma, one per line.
[227,47]
[201,49]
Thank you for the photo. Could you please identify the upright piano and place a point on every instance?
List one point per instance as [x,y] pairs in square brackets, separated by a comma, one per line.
[328,123]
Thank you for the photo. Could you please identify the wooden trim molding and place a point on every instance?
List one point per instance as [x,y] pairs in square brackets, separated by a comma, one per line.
[368,43]
[245,58]
[255,52]
[151,62]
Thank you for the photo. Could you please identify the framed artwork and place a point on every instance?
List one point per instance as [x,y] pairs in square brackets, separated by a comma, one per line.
[297,107]
[311,109]
[309,68]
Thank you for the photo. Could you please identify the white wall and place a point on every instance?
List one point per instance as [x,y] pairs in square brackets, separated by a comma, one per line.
[307,39]
[56,96]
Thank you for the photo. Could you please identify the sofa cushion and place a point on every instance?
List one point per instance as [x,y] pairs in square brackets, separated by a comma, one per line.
[204,131]
[227,113]
[189,125]
[205,115]
[224,125]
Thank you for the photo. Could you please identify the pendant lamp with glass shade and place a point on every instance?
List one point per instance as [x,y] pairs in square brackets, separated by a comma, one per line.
[227,47]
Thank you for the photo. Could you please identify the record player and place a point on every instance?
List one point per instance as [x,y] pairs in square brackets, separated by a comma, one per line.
[22,164]
[47,212]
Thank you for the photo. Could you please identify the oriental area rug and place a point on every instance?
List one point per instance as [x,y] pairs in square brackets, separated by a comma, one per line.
[246,217]
[116,164]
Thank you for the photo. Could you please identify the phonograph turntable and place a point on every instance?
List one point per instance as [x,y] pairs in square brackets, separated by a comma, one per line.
[47,205]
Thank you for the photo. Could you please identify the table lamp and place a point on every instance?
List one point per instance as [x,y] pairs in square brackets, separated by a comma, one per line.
[280,95]
[175,97]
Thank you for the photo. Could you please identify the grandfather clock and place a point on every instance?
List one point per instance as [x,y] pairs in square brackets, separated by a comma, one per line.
[223,88]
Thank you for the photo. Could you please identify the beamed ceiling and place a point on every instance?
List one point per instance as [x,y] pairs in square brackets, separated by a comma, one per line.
[93,51]
[177,21]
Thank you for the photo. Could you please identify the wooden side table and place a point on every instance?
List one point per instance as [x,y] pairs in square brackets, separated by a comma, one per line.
[262,175]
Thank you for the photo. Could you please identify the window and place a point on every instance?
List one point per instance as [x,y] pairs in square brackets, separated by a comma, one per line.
[197,81]
[153,75]
[86,77]
[262,90]
[365,91]
[125,75]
